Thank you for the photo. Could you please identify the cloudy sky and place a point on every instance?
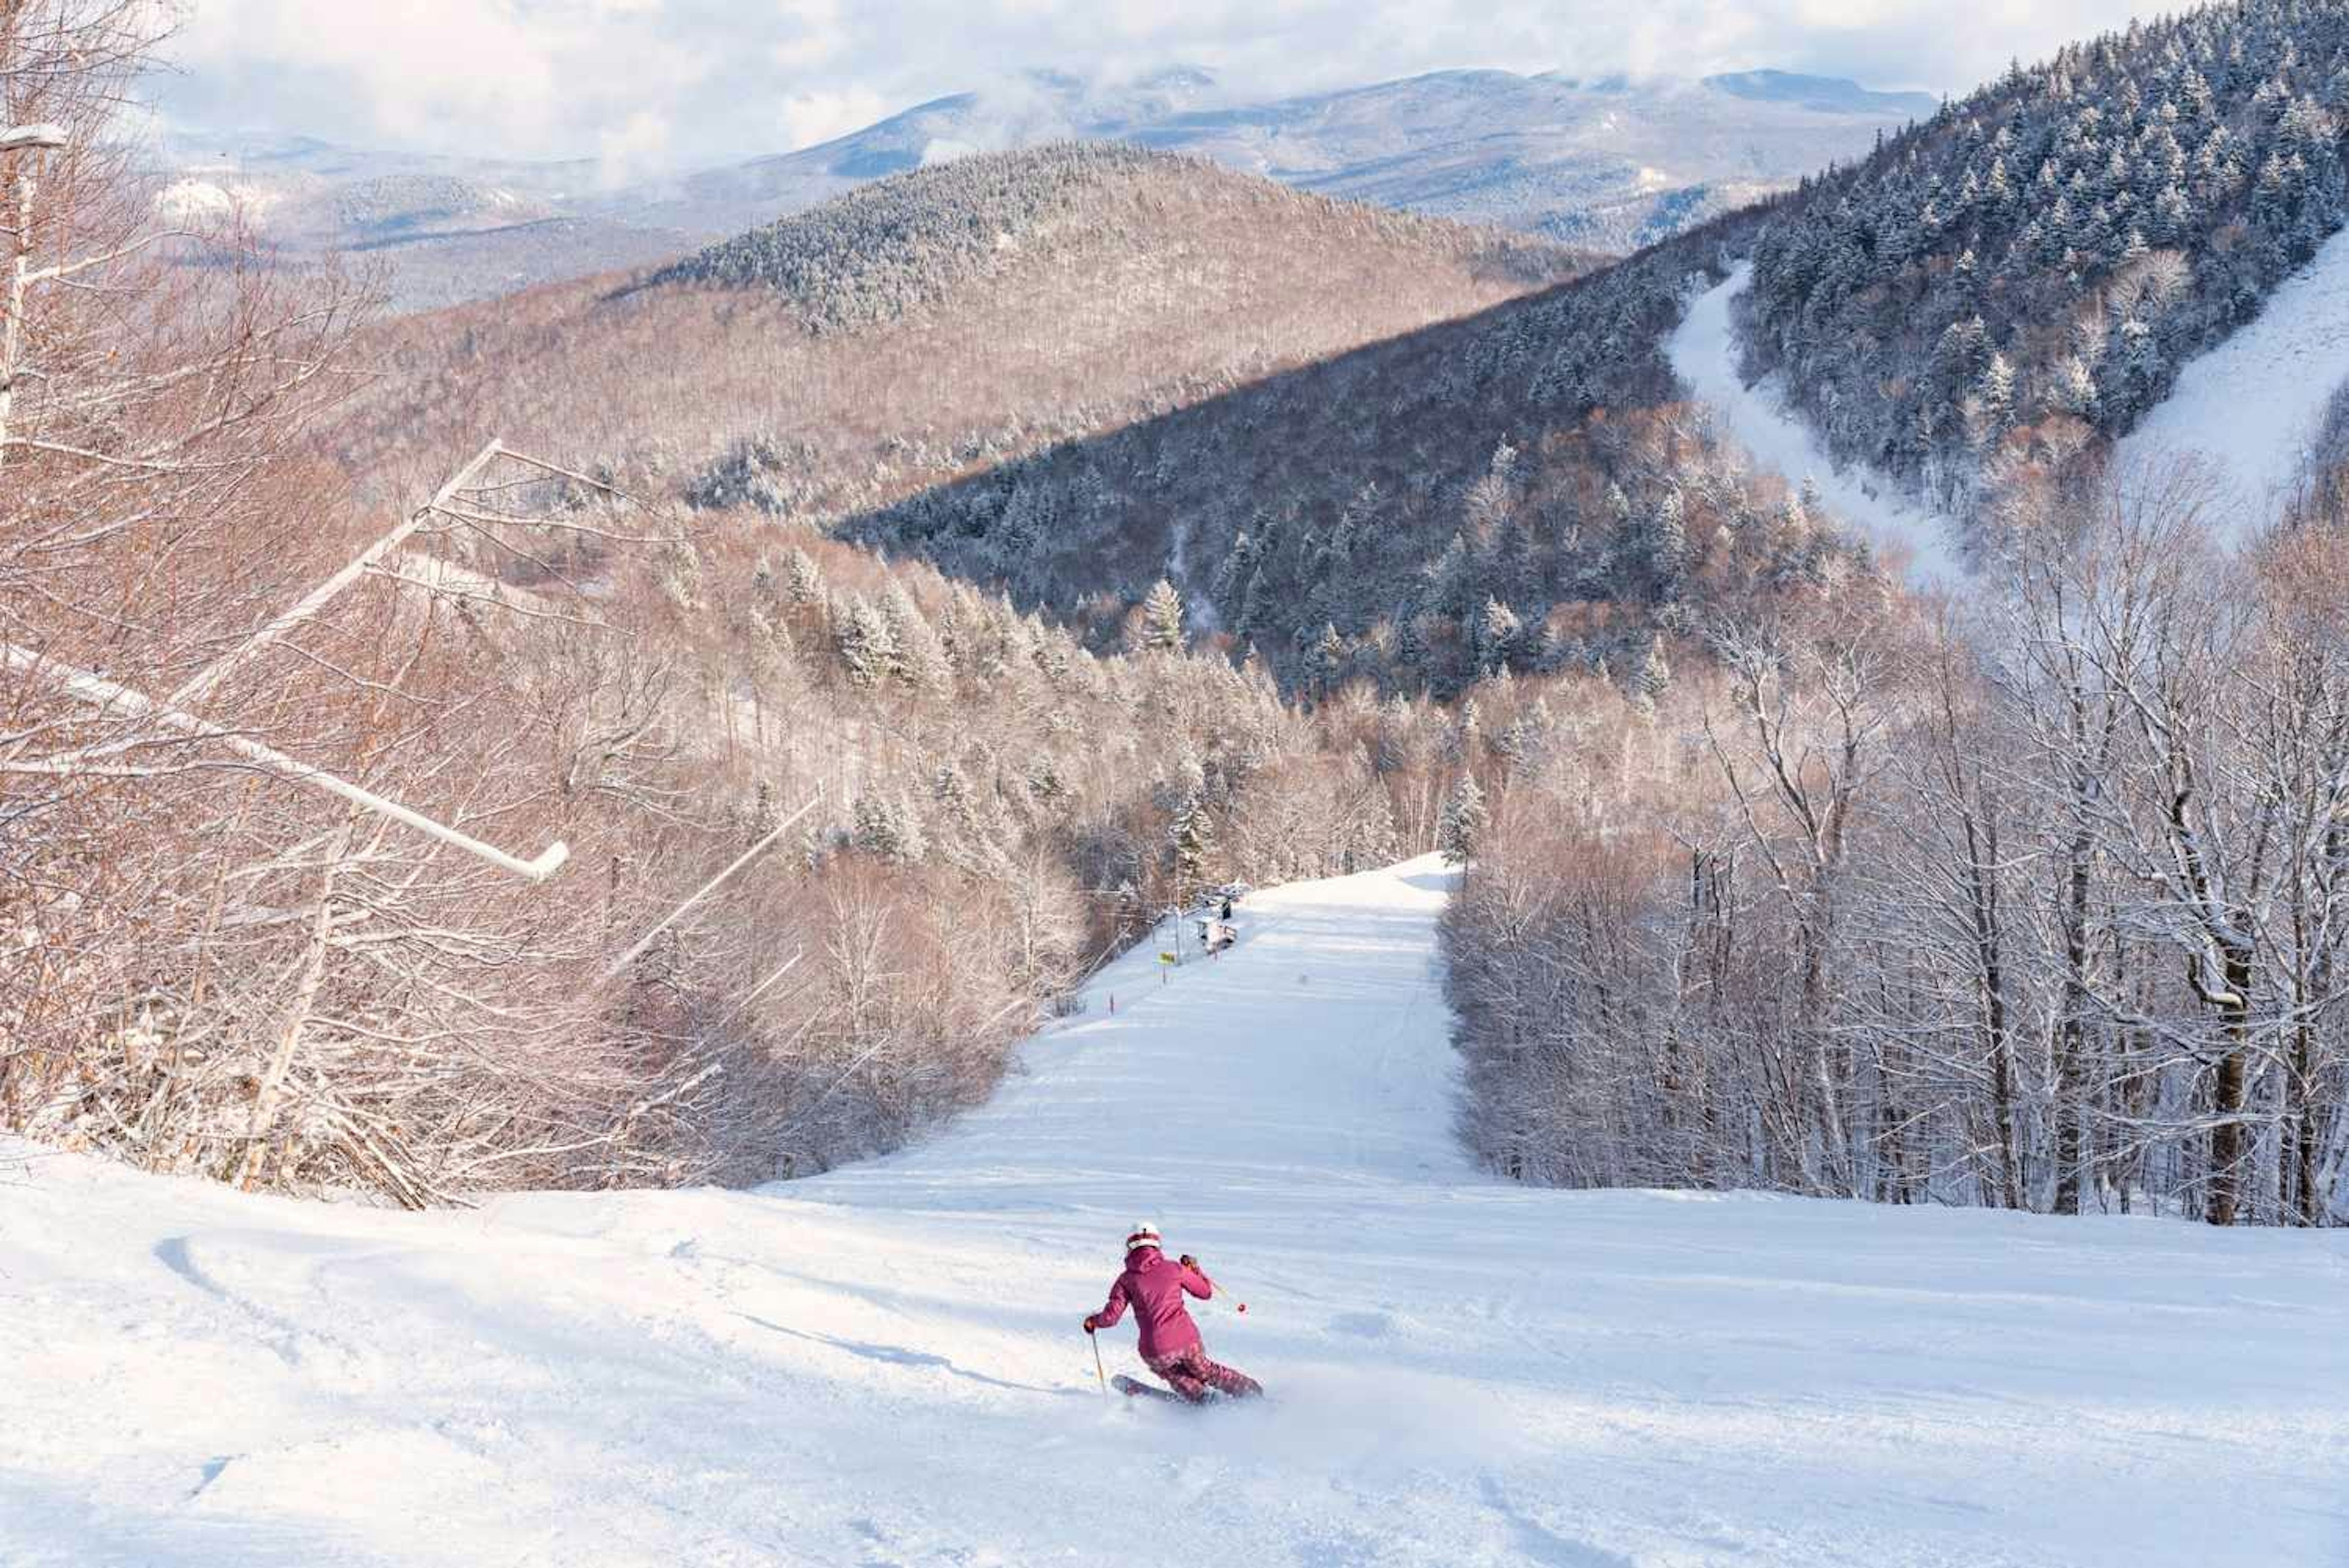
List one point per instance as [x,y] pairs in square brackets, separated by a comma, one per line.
[647,83]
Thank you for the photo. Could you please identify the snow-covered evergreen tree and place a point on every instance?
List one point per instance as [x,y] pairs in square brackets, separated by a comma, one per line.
[1191,844]
[883,825]
[1498,634]
[1161,619]
[1463,821]
[1997,393]
[866,644]
[1329,656]
[803,583]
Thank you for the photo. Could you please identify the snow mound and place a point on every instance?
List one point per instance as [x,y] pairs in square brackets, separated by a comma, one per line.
[1703,353]
[2247,407]
[884,1365]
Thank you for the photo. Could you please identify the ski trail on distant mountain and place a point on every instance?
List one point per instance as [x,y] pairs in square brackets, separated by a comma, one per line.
[1703,352]
[2249,407]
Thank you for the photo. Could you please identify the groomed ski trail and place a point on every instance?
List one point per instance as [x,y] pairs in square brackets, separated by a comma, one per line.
[2248,409]
[1703,353]
[884,1366]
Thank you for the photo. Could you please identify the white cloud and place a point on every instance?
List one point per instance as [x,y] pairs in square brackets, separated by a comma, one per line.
[811,35]
[635,147]
[710,80]
[808,117]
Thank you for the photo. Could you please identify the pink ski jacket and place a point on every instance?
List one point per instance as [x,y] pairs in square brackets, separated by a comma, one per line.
[1153,1284]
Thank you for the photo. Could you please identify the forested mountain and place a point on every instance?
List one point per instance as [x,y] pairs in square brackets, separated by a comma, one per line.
[911,242]
[935,321]
[2029,269]
[992,316]
[1521,490]
[1267,418]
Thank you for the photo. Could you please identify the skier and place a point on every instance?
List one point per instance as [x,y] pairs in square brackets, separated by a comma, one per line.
[1170,1340]
[1227,909]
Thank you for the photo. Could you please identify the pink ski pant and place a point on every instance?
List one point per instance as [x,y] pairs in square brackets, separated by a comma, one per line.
[1190,1374]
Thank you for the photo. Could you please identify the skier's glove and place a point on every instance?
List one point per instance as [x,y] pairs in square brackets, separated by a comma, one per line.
[1090,1323]
[1190,1262]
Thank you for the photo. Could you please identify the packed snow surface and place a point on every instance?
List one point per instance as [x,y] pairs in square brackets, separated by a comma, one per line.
[1703,352]
[2247,407]
[884,1365]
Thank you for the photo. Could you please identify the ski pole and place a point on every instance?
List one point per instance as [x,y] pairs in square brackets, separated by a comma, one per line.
[1193,1264]
[1099,1370]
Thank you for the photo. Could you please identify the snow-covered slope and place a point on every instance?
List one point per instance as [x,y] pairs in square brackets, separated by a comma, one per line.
[884,1365]
[2249,407]
[1703,353]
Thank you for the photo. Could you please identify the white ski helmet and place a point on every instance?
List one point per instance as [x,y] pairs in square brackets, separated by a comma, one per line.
[1144,1234]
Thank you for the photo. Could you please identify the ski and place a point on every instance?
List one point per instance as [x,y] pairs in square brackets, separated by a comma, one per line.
[1136,1388]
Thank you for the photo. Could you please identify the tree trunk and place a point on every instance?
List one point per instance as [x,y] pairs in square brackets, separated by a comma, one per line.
[2229,1146]
[1999,1042]
[305,997]
[2300,1118]
[2071,1047]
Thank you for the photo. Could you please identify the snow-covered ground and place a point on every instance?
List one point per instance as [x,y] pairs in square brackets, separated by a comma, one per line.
[2247,407]
[884,1366]
[1703,353]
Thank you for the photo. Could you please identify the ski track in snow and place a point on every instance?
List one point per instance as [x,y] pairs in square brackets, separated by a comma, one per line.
[883,1367]
[1703,352]
[2249,407]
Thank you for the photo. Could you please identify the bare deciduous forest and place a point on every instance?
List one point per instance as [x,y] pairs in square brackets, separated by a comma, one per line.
[2033,898]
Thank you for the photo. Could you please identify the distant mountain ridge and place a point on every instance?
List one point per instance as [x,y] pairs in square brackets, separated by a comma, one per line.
[1613,162]
[445,228]
[1828,94]
[1606,163]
